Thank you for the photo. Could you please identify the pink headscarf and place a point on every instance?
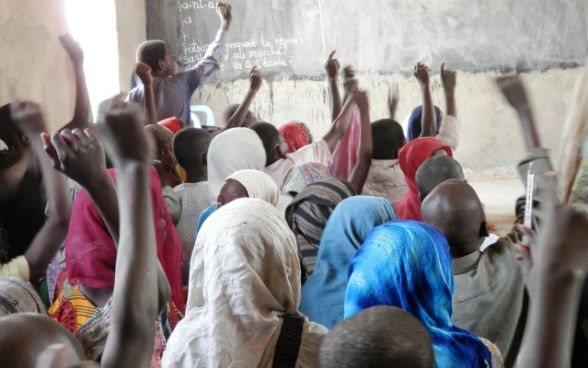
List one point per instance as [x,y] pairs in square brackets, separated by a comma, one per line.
[294,134]
[345,153]
[90,252]
[410,158]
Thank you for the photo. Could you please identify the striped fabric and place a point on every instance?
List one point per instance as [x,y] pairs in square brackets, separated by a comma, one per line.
[308,213]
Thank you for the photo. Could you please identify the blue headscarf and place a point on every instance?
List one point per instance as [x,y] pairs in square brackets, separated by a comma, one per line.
[406,264]
[324,291]
[414,126]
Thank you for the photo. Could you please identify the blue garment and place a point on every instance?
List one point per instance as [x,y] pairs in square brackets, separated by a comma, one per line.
[324,291]
[203,216]
[414,127]
[407,264]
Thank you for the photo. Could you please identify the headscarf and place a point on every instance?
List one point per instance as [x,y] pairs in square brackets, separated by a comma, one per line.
[309,211]
[244,274]
[294,134]
[407,264]
[324,291]
[414,122]
[410,157]
[19,296]
[231,150]
[258,184]
[173,124]
[345,155]
[90,252]
[300,176]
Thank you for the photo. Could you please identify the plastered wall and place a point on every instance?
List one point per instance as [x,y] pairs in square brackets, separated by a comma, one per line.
[33,66]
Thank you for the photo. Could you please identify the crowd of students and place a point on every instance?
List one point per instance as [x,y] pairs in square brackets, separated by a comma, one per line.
[144,241]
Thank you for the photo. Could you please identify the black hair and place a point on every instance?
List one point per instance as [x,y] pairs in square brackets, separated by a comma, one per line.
[151,52]
[388,137]
[189,146]
[270,137]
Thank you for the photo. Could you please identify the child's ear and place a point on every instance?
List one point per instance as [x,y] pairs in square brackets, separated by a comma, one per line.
[161,64]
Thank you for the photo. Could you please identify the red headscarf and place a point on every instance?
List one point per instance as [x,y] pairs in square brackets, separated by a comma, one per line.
[172,124]
[410,158]
[294,134]
[90,252]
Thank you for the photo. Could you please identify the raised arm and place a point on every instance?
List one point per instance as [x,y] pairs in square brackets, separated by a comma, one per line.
[428,120]
[144,72]
[46,242]
[82,115]
[559,270]
[340,124]
[131,332]
[513,90]
[362,166]
[239,117]
[332,68]
[393,98]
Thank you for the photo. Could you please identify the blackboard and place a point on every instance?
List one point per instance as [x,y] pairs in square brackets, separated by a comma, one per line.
[291,39]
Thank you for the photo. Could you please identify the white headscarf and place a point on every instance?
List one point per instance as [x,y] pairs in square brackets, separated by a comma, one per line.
[233,149]
[258,184]
[244,274]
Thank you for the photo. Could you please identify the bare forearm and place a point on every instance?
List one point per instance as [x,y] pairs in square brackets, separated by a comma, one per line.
[361,168]
[551,322]
[81,116]
[240,115]
[339,126]
[450,106]
[335,97]
[528,126]
[428,121]
[150,109]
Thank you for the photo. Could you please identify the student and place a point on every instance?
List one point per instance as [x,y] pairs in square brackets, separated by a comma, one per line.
[164,154]
[244,293]
[25,123]
[489,295]
[279,162]
[191,197]
[436,170]
[407,264]
[378,337]
[130,334]
[385,177]
[172,90]
[427,120]
[296,135]
[249,183]
[323,293]
[238,115]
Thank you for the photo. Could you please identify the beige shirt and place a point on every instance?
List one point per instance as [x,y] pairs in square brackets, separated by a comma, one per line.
[16,267]
[315,152]
[385,179]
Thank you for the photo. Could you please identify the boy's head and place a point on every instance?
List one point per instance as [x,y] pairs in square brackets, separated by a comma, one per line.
[156,54]
[388,137]
[163,141]
[274,144]
[436,170]
[379,336]
[454,208]
[190,147]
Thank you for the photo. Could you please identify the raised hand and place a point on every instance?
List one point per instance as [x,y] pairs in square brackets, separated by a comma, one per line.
[224,12]
[421,72]
[393,98]
[513,90]
[255,79]
[123,123]
[144,72]
[448,78]
[28,117]
[332,65]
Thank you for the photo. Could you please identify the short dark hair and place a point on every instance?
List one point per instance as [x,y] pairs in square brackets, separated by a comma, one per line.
[151,52]
[388,137]
[189,145]
[379,336]
[270,137]
[436,170]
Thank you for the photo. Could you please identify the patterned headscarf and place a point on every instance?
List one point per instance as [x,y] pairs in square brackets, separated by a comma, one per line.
[407,264]
[300,176]
[324,291]
[309,211]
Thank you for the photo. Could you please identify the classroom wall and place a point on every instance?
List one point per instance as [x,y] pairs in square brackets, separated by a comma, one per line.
[33,66]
